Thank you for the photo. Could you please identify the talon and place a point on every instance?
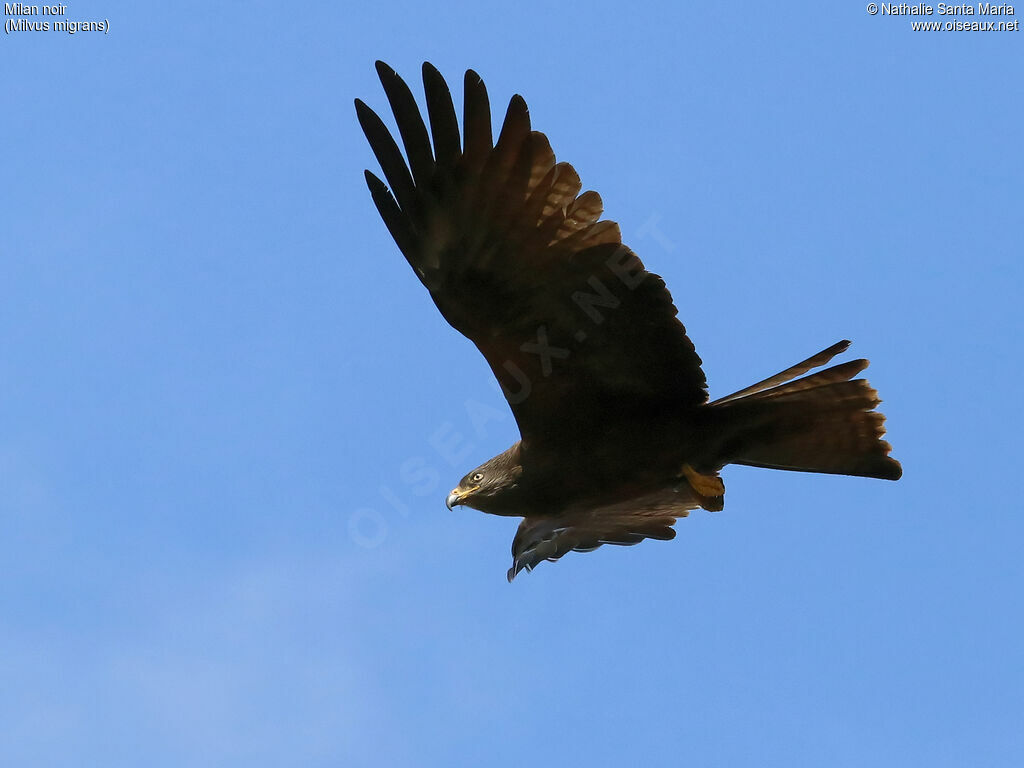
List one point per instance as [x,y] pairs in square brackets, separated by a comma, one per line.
[710,489]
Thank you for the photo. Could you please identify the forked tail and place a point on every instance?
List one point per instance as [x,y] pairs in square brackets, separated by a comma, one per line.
[824,422]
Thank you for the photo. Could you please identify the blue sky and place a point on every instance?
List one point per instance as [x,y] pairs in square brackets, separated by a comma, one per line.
[218,373]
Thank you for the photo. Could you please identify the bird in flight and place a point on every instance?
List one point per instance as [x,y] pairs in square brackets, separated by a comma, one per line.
[618,436]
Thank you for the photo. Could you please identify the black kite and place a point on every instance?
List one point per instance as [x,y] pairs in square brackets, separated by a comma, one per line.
[618,438]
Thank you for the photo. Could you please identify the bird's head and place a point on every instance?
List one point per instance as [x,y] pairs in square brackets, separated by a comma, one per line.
[488,487]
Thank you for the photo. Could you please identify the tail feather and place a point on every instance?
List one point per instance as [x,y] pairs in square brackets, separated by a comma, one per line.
[812,362]
[833,375]
[821,423]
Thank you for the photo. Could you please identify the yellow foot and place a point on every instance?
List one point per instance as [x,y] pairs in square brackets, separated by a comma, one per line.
[709,489]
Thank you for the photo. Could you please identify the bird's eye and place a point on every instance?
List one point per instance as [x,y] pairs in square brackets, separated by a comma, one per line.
[477,477]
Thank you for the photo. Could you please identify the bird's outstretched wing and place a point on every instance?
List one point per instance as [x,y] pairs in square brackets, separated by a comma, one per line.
[649,517]
[570,322]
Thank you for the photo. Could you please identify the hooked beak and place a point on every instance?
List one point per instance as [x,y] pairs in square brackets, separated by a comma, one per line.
[458,496]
